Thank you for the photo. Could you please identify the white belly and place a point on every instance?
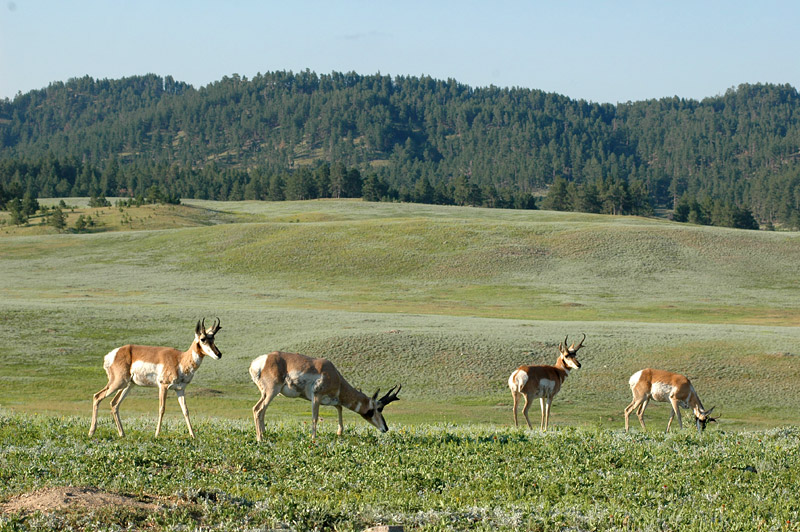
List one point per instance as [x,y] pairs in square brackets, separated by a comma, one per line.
[661,391]
[146,373]
[305,385]
[546,387]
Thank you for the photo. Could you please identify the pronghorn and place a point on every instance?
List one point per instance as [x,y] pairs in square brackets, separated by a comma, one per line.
[317,380]
[543,382]
[665,386]
[164,367]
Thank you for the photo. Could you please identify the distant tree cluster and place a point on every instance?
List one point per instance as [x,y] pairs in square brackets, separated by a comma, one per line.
[409,137]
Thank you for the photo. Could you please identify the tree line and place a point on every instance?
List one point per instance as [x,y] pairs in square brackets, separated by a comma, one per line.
[408,135]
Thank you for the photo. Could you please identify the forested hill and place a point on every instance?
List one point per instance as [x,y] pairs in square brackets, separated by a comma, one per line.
[226,140]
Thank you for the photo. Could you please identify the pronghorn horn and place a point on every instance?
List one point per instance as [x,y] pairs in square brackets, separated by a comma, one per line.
[580,344]
[216,327]
[374,395]
[389,397]
[565,342]
[707,412]
[204,325]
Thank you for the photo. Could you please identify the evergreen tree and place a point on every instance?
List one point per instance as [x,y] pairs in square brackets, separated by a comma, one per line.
[558,198]
[57,219]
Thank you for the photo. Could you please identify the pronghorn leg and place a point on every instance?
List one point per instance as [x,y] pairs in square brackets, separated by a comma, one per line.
[162,405]
[340,430]
[676,411]
[115,402]
[314,416]
[260,408]
[515,395]
[542,406]
[107,390]
[640,411]
[628,409]
[182,403]
[525,411]
[547,412]
[635,404]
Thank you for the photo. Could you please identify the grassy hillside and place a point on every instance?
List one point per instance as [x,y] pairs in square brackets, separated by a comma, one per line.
[446,300]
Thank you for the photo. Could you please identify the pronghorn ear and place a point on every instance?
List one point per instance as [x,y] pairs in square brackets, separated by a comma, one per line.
[375,395]
[198,329]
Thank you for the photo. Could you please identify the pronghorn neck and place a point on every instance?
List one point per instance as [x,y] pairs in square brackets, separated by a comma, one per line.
[190,360]
[560,364]
[353,399]
[694,402]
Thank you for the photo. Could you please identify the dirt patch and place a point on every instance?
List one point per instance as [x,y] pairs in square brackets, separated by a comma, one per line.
[51,499]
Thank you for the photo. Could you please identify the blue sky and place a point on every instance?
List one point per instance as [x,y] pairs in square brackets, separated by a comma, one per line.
[603,51]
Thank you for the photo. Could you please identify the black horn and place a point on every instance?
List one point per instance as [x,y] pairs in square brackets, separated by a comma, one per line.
[580,344]
[390,396]
[216,327]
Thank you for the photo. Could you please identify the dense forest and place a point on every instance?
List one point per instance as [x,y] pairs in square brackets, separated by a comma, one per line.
[726,160]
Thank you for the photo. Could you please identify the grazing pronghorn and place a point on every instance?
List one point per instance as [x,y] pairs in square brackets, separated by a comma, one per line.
[164,367]
[666,387]
[543,382]
[317,380]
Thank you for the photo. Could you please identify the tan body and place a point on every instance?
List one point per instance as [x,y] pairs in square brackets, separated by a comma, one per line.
[162,367]
[316,380]
[665,387]
[542,382]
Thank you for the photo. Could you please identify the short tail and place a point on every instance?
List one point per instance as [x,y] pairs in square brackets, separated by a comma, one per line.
[517,381]
[256,367]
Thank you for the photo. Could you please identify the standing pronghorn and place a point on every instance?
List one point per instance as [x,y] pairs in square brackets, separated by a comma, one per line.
[665,386]
[317,380]
[164,367]
[543,382]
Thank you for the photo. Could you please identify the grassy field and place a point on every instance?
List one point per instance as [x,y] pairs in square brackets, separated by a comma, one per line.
[429,477]
[445,300]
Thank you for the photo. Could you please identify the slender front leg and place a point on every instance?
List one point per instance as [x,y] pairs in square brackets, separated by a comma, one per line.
[314,416]
[547,413]
[182,402]
[541,405]
[341,425]
[162,404]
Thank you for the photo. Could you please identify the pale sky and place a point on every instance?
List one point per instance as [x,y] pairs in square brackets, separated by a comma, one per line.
[602,51]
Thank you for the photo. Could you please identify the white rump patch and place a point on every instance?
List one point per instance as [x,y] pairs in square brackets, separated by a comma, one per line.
[146,373]
[256,366]
[634,380]
[108,360]
[517,381]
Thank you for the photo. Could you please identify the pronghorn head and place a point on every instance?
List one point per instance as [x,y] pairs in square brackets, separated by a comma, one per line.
[374,414]
[569,355]
[204,338]
[702,418]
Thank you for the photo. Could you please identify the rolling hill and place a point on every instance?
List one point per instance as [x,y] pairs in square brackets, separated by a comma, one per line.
[446,300]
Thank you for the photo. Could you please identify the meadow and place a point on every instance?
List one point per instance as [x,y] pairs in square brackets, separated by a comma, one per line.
[445,300]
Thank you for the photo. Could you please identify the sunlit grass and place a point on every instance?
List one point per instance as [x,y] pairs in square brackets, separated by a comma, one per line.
[426,477]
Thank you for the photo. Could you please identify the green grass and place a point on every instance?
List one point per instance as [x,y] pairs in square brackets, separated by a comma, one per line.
[431,477]
[473,293]
[445,300]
